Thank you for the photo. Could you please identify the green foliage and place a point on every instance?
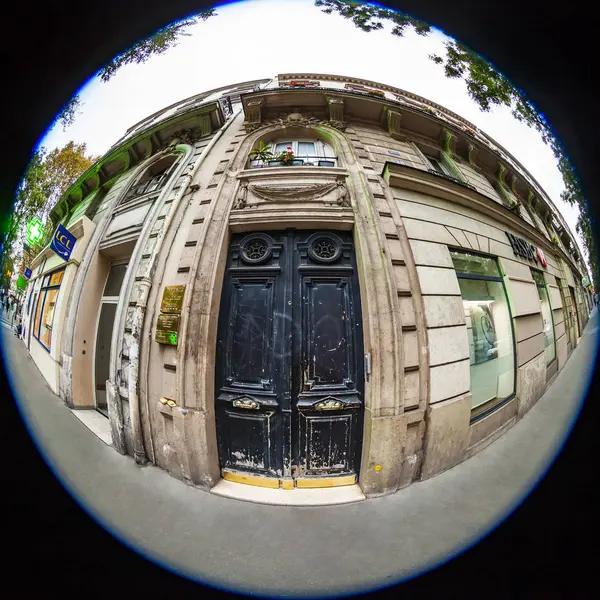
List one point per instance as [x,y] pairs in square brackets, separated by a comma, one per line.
[261,152]
[66,117]
[158,43]
[47,177]
[488,88]
[368,17]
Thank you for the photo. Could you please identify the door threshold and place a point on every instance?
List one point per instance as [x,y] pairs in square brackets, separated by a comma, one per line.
[96,423]
[294,497]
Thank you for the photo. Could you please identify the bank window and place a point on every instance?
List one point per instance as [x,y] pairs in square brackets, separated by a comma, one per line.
[489,330]
[44,313]
[549,343]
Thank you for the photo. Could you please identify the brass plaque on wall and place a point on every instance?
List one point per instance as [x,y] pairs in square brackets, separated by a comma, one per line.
[172,299]
[167,329]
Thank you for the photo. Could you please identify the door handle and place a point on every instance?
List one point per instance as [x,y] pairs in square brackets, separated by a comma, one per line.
[246,403]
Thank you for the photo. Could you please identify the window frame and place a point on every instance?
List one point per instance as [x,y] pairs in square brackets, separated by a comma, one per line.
[480,412]
[545,286]
[42,295]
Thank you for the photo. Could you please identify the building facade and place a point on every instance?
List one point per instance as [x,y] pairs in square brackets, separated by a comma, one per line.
[369,309]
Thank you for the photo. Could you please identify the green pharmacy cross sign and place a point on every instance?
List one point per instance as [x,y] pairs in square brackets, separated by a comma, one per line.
[35,231]
[173,338]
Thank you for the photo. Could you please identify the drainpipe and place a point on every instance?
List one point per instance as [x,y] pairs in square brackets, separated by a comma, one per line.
[142,303]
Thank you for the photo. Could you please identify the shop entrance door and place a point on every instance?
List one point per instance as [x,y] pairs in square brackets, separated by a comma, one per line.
[289,364]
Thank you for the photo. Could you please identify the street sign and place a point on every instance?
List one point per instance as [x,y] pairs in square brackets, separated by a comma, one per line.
[28,273]
[62,242]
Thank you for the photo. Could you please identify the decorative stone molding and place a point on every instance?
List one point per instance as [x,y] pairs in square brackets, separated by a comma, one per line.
[185,136]
[473,151]
[242,196]
[253,112]
[284,192]
[205,125]
[448,140]
[336,109]
[393,120]
[294,120]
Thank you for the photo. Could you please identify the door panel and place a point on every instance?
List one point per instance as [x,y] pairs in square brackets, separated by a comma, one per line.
[289,357]
[250,341]
[102,355]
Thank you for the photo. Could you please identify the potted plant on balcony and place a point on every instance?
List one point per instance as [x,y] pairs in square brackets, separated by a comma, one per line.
[261,153]
[287,157]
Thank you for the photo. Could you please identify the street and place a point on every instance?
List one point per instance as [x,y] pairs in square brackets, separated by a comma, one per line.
[245,547]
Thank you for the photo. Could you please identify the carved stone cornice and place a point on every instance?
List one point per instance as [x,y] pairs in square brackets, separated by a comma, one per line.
[293,120]
[186,136]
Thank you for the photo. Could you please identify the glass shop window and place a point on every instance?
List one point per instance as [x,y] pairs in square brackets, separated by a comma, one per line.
[489,329]
[549,343]
[44,313]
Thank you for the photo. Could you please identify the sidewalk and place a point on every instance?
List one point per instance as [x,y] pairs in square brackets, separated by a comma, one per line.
[309,551]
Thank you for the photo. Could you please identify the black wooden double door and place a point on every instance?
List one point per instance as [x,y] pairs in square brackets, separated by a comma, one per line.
[289,364]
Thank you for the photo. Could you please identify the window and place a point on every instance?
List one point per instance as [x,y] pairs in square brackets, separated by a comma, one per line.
[549,344]
[306,152]
[489,329]
[44,313]
[152,180]
[437,165]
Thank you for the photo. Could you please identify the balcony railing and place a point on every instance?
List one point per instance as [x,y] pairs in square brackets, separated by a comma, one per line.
[299,161]
[226,108]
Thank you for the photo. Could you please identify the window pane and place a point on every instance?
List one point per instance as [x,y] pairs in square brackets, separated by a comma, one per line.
[474,264]
[38,308]
[57,277]
[281,147]
[115,280]
[47,317]
[538,277]
[548,328]
[437,165]
[306,149]
[491,347]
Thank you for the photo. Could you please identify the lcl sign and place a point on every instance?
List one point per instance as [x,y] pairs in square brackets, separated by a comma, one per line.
[526,250]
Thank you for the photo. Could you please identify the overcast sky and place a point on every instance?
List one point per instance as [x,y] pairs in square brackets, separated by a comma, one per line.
[246,40]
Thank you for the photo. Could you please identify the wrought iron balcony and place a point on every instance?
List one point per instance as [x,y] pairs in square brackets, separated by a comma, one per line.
[306,161]
[226,108]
